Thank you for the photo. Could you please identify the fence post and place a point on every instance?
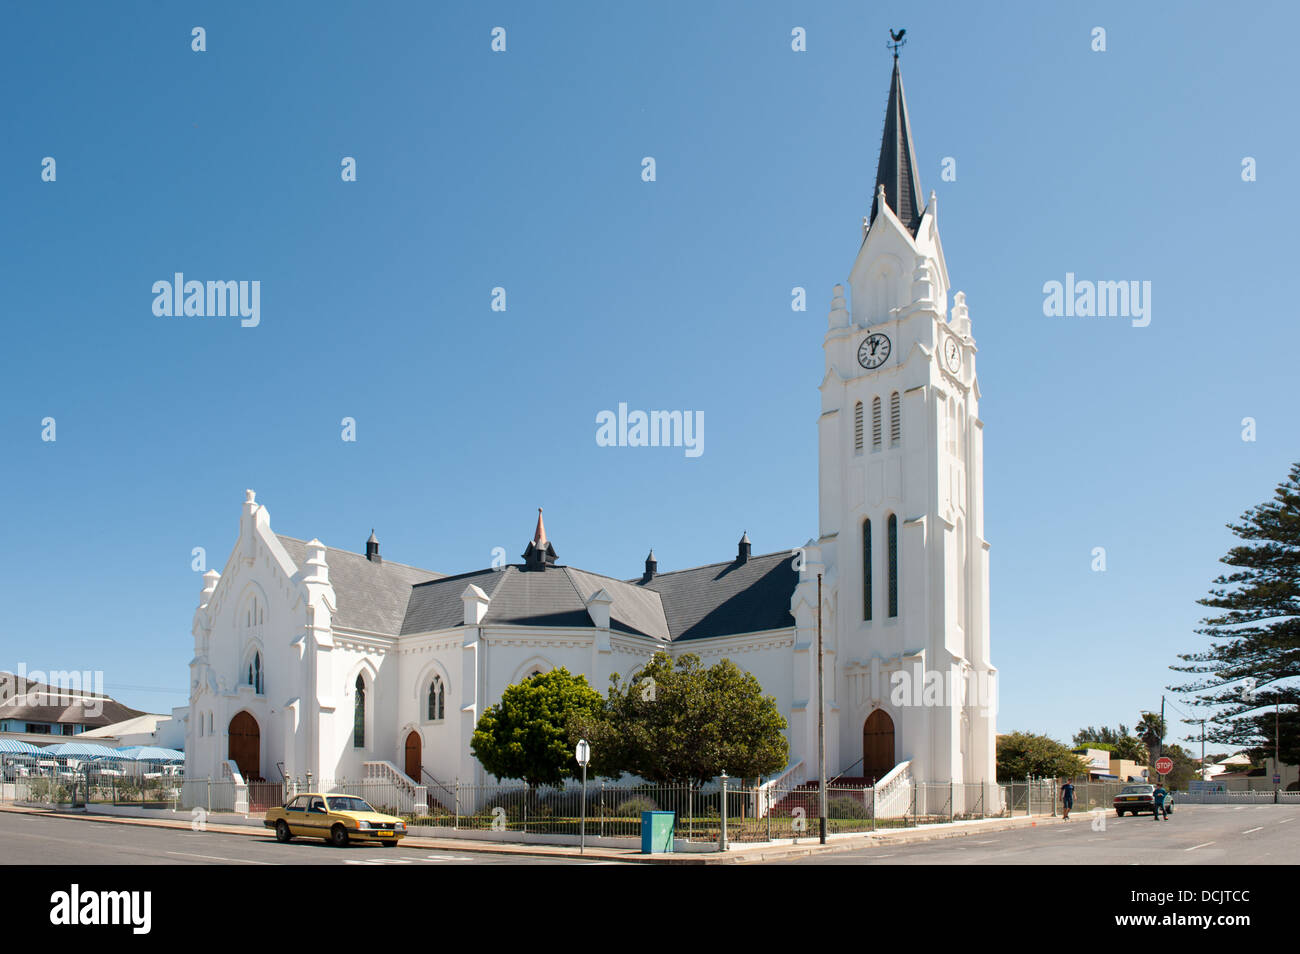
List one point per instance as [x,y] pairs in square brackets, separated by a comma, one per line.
[723,834]
[455,824]
[952,803]
[602,808]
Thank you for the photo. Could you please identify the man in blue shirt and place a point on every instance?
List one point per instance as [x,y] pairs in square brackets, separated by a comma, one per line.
[1067,799]
[1159,796]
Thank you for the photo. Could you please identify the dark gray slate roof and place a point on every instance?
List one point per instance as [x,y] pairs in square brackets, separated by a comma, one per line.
[896,169]
[556,596]
[372,597]
[715,600]
[725,598]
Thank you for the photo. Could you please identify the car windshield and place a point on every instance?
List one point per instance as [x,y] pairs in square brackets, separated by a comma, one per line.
[1137,790]
[346,803]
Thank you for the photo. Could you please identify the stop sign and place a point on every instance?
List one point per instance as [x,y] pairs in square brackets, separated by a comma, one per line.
[1164,765]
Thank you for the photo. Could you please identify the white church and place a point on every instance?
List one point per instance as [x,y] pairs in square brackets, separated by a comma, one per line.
[309,658]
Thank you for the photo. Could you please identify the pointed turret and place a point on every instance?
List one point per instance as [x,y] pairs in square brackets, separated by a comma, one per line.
[540,554]
[896,170]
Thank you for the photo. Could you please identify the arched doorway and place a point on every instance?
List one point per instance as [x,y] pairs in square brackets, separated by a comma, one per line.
[414,756]
[877,745]
[246,746]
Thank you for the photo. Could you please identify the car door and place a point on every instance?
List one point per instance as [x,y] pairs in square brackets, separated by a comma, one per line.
[295,815]
[318,818]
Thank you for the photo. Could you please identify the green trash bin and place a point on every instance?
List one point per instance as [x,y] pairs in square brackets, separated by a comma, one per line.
[657,832]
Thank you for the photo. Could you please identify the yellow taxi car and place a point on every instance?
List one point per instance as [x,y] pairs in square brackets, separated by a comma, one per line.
[339,819]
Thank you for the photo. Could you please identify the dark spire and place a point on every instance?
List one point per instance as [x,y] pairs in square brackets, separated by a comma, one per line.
[742,553]
[540,554]
[651,567]
[372,548]
[896,170]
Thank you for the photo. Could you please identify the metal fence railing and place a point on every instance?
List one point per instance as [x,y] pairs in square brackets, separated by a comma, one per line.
[746,812]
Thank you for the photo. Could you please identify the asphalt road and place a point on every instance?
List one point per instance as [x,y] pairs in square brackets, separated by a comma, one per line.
[36,840]
[1194,835]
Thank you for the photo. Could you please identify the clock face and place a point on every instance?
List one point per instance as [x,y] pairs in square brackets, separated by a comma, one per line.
[873,351]
[952,355]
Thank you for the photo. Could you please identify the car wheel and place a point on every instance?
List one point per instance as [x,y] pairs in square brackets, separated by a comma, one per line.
[338,836]
[390,844]
[282,833]
[1118,813]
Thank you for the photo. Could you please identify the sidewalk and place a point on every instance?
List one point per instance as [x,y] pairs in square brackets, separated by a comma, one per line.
[737,854]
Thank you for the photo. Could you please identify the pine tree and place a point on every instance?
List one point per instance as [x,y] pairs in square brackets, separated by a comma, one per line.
[1254,656]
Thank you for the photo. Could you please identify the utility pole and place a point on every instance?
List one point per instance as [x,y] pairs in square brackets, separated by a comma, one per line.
[1160,746]
[821,722]
[1203,775]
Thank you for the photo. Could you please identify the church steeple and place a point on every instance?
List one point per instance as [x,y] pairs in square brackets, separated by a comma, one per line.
[540,554]
[896,170]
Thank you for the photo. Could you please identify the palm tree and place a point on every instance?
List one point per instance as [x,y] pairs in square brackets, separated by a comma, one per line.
[1151,730]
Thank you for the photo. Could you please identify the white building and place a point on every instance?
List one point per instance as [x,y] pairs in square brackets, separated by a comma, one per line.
[310,658]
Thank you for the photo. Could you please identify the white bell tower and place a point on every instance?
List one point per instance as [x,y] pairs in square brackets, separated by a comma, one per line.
[902,543]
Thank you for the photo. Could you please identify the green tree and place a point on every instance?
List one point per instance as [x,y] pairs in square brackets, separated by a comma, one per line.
[1151,729]
[1254,656]
[526,734]
[1119,741]
[1024,753]
[1186,768]
[682,722]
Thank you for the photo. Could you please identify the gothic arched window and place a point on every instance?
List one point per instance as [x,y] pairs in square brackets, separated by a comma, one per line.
[875,423]
[895,419]
[255,673]
[437,700]
[359,716]
[866,570]
[893,565]
[857,428]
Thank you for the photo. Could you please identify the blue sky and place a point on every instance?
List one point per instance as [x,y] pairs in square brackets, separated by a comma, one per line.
[522,170]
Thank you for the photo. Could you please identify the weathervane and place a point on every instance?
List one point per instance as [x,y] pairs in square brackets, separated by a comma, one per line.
[898,43]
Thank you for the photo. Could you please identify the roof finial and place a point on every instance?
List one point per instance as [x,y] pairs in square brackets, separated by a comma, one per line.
[539,538]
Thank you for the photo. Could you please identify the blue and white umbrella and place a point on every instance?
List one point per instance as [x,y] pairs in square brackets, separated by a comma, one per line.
[149,753]
[17,747]
[80,750]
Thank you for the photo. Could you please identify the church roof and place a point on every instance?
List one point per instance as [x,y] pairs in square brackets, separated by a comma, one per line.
[556,596]
[372,596]
[725,598]
[715,600]
[896,169]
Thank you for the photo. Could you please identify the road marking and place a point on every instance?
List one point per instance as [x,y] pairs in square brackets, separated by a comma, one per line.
[1202,845]
[242,861]
[990,842]
[1249,830]
[1284,821]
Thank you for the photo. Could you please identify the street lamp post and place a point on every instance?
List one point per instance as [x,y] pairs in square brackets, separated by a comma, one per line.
[821,722]
[583,754]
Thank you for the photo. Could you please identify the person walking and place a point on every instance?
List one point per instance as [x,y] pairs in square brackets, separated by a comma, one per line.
[1159,797]
[1067,799]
